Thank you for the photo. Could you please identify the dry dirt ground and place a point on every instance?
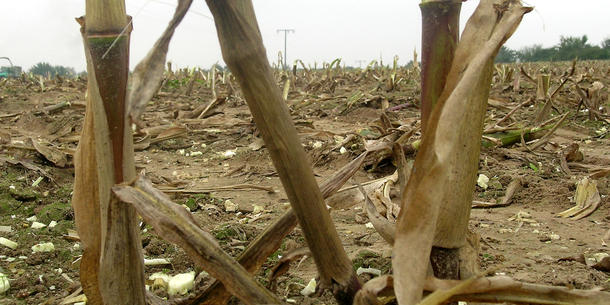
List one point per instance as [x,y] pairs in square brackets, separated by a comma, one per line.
[526,240]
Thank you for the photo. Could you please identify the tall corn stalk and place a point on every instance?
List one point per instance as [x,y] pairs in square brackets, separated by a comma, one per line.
[244,52]
[440,36]
[436,201]
[112,270]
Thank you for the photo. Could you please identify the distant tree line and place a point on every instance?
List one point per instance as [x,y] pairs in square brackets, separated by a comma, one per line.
[568,48]
[46,69]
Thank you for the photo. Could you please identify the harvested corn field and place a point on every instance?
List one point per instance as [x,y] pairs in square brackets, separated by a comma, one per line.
[199,145]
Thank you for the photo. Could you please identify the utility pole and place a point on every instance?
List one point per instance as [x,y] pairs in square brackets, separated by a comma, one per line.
[360,62]
[286,31]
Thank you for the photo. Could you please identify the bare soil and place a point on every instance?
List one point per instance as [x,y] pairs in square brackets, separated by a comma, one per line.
[537,247]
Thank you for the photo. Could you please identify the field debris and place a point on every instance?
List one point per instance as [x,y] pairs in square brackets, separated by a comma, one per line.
[483,181]
[181,283]
[8,243]
[586,198]
[5,285]
[43,247]
[37,225]
[310,288]
[230,207]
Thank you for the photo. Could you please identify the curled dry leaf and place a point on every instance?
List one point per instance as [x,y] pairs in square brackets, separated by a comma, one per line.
[513,187]
[50,153]
[350,196]
[375,290]
[256,144]
[169,132]
[603,264]
[382,225]
[148,74]
[587,200]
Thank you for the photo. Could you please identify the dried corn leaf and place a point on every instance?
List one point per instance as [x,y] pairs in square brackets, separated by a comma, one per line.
[382,225]
[148,74]
[587,200]
[505,289]
[488,289]
[170,133]
[440,296]
[50,153]
[350,196]
[377,291]
[173,223]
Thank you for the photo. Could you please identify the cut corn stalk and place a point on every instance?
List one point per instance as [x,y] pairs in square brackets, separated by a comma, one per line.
[112,270]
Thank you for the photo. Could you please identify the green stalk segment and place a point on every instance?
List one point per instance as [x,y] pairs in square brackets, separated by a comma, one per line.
[110,54]
[440,35]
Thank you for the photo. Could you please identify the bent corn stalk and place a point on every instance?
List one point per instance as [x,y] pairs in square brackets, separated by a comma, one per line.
[244,53]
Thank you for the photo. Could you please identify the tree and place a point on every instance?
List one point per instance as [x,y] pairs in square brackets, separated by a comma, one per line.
[506,55]
[536,53]
[46,69]
[573,42]
[42,68]
[571,47]
[568,48]
[64,71]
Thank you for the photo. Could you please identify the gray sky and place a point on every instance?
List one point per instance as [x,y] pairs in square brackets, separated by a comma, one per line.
[44,30]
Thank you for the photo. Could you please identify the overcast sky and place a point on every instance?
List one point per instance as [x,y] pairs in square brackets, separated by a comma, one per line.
[44,30]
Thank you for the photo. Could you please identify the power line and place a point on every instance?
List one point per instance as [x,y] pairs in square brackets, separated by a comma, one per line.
[286,31]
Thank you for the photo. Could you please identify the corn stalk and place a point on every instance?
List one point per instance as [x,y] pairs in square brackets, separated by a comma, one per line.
[436,201]
[243,51]
[112,270]
[440,35]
